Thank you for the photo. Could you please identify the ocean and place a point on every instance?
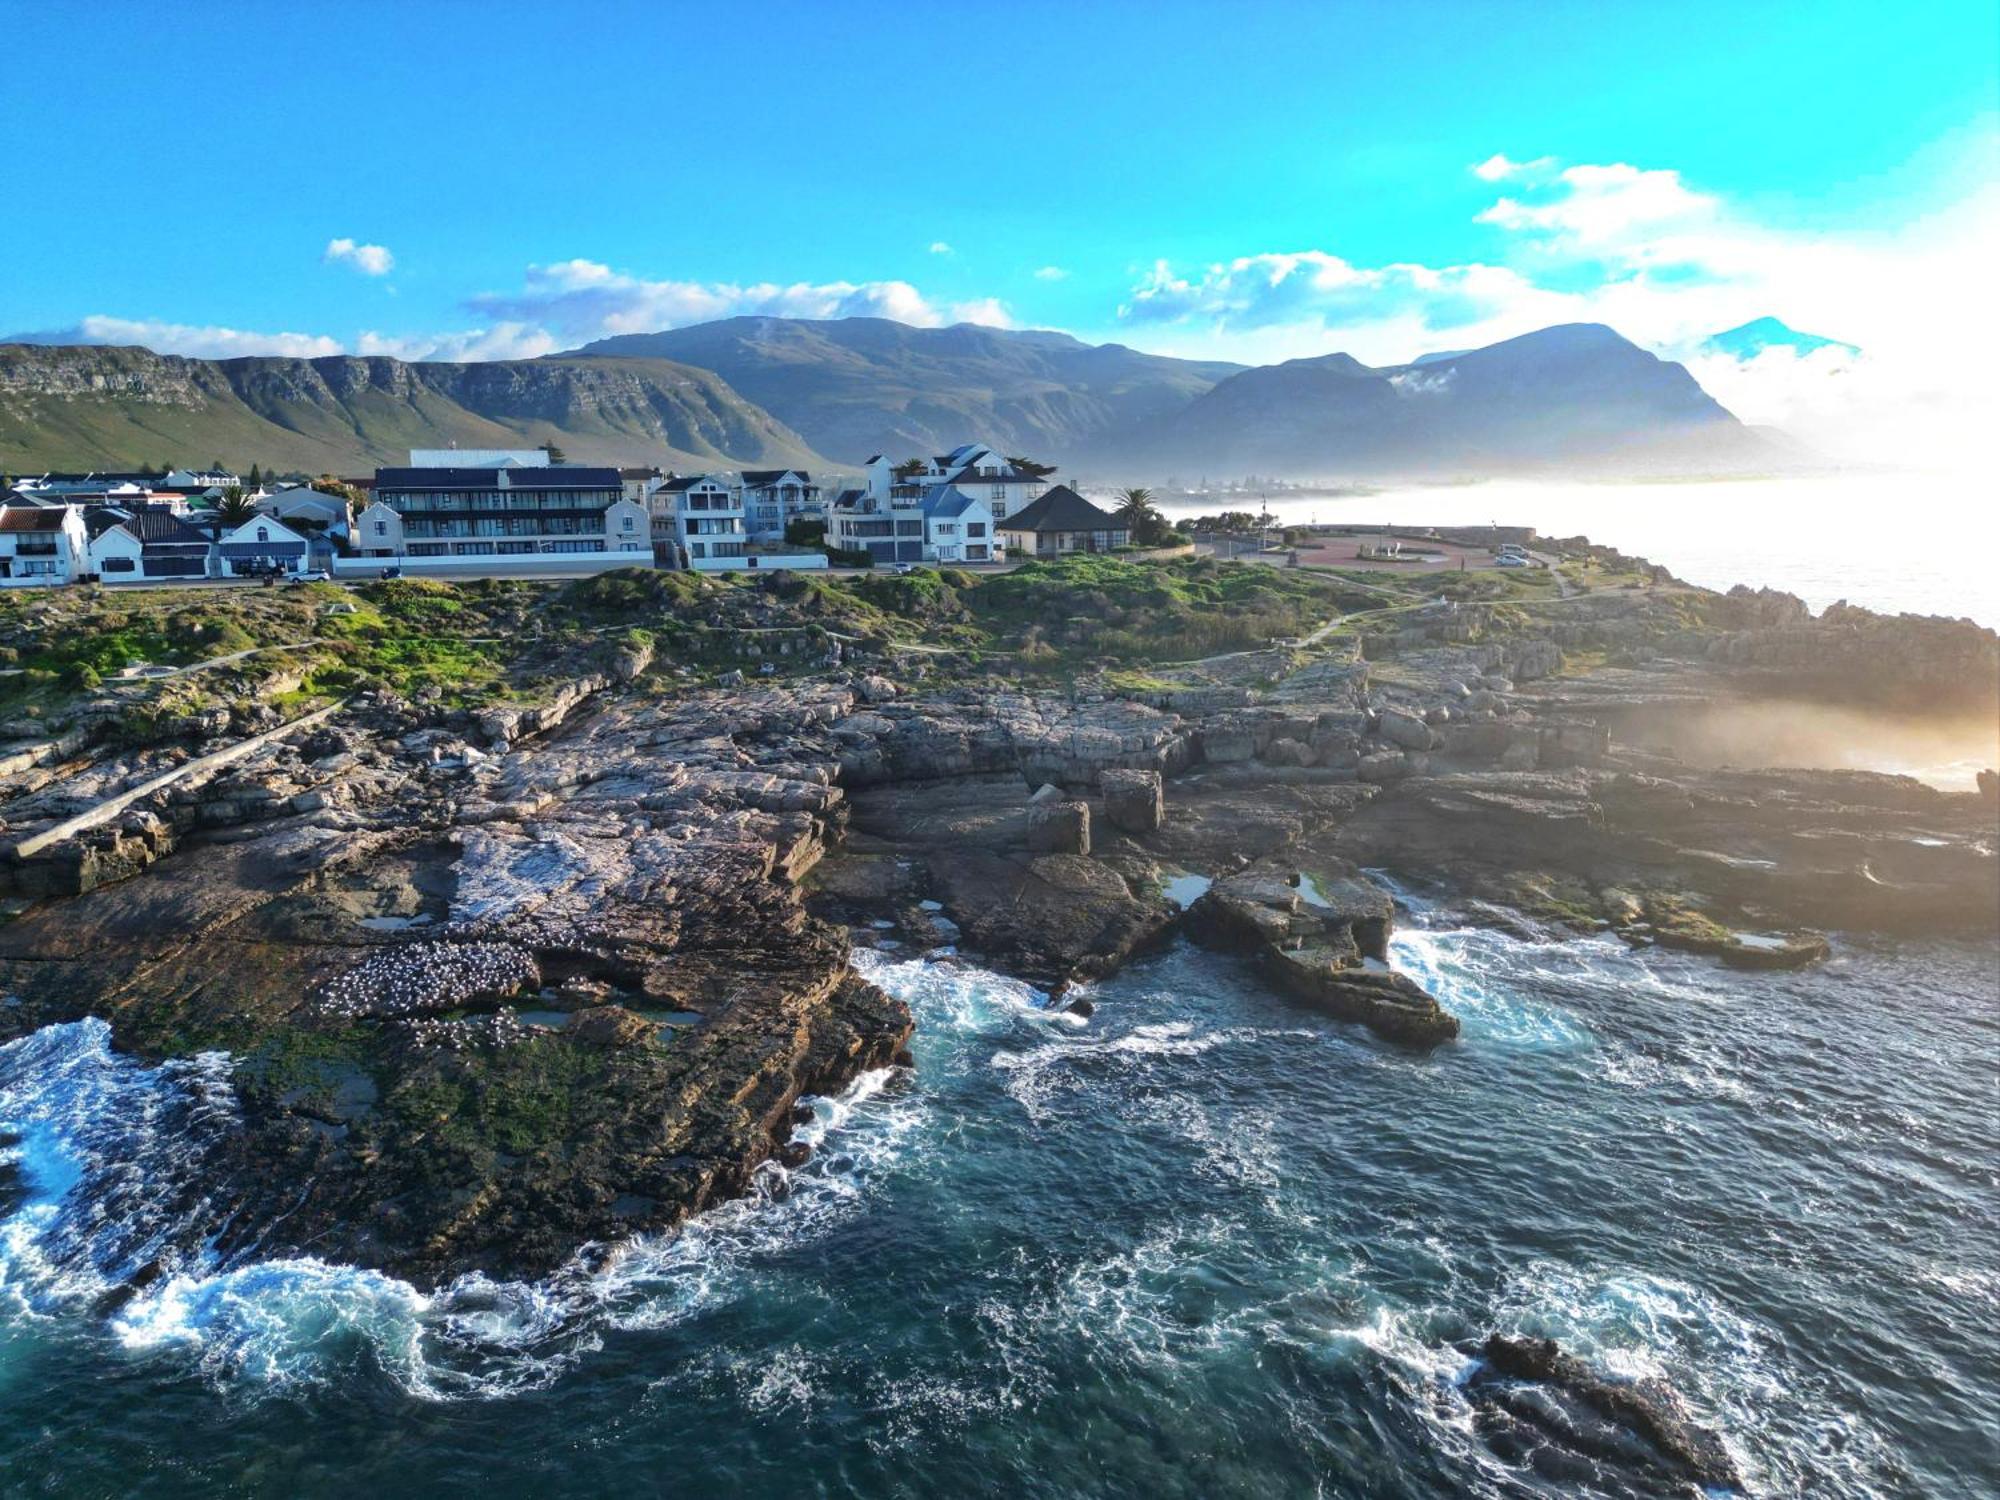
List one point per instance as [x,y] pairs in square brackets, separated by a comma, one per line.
[1204,1243]
[1916,543]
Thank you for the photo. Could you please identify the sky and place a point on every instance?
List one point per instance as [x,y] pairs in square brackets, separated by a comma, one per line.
[1250,181]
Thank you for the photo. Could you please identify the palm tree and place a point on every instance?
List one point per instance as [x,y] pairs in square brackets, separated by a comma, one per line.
[234,509]
[1142,519]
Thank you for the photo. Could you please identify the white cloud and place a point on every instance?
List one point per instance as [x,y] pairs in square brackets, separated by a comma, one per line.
[990,311]
[583,299]
[1051,273]
[369,260]
[939,247]
[1310,288]
[197,341]
[1666,263]
[1497,166]
[501,341]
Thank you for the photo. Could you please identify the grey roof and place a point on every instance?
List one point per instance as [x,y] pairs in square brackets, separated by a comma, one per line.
[156,528]
[847,499]
[1062,509]
[772,476]
[684,482]
[524,477]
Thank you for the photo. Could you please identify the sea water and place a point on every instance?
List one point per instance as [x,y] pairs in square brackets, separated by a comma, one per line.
[1916,543]
[1206,1242]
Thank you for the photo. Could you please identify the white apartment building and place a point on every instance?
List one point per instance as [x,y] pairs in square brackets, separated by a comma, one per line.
[505,510]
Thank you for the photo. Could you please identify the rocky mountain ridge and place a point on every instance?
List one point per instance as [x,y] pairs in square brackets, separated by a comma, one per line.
[103,407]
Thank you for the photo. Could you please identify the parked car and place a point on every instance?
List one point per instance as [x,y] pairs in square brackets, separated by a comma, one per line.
[1510,560]
[906,567]
[392,572]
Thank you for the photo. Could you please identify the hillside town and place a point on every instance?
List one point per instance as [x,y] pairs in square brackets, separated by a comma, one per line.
[472,512]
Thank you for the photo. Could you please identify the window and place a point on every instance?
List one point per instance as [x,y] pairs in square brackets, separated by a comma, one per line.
[381,528]
[975,528]
[116,565]
[628,523]
[263,533]
[947,528]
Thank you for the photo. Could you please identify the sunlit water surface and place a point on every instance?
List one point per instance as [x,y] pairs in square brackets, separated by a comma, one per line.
[1921,543]
[1205,1243]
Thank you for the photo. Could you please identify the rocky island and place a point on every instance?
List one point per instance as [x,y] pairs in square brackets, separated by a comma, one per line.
[521,915]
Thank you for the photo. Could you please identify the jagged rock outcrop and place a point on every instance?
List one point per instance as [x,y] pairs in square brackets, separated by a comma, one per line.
[1323,940]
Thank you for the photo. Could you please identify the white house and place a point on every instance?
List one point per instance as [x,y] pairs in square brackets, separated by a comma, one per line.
[199,480]
[150,543]
[772,497]
[43,543]
[698,517]
[307,509]
[958,527]
[259,546]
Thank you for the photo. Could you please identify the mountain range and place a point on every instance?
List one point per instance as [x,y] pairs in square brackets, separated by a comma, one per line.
[91,406]
[1576,396]
[826,394]
[1748,340]
[860,386]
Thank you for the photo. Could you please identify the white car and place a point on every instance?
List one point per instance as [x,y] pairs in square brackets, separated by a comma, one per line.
[1510,560]
[905,568]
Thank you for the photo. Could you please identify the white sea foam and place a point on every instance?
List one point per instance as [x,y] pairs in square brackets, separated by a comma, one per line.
[110,1156]
[1461,967]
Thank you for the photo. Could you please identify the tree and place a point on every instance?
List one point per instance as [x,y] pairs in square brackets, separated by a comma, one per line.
[235,509]
[555,453]
[907,467]
[256,476]
[1142,518]
[1029,466]
[215,466]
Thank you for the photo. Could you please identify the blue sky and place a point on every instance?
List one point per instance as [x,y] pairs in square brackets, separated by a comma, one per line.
[1248,180]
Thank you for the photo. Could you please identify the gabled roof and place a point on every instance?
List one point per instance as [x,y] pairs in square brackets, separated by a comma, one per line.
[848,499]
[772,476]
[159,528]
[33,517]
[1062,509]
[278,530]
[948,500]
[873,458]
[681,483]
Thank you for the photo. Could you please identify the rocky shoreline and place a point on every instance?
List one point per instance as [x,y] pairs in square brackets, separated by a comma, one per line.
[500,982]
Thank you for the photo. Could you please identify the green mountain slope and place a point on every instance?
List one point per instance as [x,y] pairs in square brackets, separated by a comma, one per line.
[76,407]
[859,386]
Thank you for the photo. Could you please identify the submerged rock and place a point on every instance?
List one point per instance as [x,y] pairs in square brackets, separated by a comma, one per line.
[1589,1403]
